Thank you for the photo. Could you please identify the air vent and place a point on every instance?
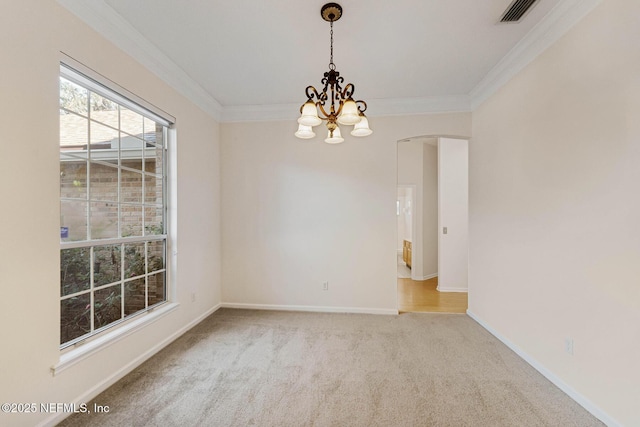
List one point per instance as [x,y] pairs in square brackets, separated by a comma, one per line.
[517,10]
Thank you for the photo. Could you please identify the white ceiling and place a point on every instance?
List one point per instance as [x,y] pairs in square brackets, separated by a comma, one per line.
[255,56]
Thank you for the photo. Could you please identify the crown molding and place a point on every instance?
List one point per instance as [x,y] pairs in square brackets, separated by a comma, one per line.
[561,19]
[107,22]
[375,108]
[424,105]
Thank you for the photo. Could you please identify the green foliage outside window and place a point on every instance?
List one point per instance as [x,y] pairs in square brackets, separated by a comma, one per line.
[75,277]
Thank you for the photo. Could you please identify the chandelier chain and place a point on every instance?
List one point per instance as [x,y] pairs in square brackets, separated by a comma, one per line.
[332,66]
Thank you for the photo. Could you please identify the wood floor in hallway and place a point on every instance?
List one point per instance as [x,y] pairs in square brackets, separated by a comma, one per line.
[423,297]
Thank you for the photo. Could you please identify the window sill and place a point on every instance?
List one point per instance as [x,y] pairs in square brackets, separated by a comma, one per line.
[83,351]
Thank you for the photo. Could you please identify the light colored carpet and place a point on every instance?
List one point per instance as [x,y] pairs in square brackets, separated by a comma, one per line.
[265,368]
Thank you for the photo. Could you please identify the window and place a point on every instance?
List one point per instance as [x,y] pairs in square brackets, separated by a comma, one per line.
[113,237]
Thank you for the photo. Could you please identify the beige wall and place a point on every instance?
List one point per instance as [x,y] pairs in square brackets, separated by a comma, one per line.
[554,209]
[297,213]
[453,214]
[32,35]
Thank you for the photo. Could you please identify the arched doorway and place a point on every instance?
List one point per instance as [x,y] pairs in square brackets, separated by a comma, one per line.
[436,168]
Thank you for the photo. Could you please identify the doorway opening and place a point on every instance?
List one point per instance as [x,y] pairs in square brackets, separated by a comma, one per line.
[432,224]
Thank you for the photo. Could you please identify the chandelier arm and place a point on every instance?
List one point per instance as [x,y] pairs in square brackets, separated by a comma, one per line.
[338,83]
[337,113]
[321,97]
[362,106]
[325,82]
[337,94]
[311,92]
[334,98]
[348,91]
[324,95]
[324,115]
[335,91]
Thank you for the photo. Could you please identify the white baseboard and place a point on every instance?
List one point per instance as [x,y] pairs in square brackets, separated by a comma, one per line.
[427,277]
[112,379]
[570,391]
[445,288]
[311,308]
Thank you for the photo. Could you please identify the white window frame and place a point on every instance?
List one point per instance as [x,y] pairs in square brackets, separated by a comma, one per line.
[76,350]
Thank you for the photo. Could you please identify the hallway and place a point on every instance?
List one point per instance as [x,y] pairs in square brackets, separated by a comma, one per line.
[423,297]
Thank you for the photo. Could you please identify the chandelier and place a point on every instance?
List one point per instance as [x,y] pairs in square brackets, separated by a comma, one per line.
[334,104]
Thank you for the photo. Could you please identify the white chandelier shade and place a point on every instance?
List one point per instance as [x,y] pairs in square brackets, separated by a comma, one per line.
[349,115]
[362,127]
[305,132]
[309,115]
[334,136]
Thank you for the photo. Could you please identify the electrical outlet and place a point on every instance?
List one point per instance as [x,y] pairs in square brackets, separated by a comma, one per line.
[193,297]
[325,286]
[568,345]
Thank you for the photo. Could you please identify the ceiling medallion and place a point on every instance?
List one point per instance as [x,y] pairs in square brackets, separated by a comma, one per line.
[342,109]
